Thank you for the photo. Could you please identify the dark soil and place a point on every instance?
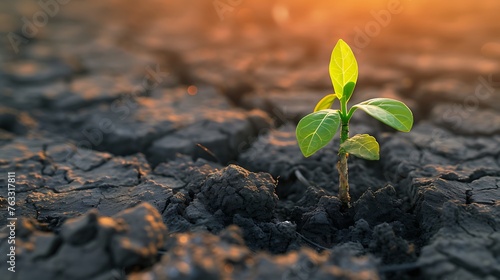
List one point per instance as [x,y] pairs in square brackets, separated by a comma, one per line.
[154,141]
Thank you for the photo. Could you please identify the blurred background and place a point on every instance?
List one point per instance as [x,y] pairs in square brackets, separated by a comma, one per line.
[263,54]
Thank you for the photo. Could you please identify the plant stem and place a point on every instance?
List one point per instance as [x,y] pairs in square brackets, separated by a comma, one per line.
[342,168]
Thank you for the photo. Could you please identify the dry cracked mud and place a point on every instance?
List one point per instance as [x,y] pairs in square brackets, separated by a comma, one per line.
[158,142]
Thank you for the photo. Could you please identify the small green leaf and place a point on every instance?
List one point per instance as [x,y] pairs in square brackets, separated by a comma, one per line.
[389,111]
[325,102]
[348,89]
[363,146]
[315,130]
[343,67]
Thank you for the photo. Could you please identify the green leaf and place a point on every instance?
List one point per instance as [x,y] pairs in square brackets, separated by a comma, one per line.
[348,89]
[343,67]
[315,130]
[363,146]
[325,102]
[389,111]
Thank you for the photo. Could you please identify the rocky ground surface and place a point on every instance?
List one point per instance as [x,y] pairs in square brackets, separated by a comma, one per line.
[157,141]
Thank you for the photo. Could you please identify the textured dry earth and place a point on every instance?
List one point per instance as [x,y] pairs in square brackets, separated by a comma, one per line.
[155,141]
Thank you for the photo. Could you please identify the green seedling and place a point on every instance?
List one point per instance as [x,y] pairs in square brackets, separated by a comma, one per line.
[317,129]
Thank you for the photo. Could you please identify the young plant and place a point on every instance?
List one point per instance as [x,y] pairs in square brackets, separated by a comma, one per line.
[315,130]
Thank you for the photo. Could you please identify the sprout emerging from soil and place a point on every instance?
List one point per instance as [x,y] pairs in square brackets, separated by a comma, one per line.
[315,130]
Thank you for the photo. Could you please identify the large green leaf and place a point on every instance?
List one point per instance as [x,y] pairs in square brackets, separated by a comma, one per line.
[389,111]
[343,67]
[315,130]
[363,146]
[325,102]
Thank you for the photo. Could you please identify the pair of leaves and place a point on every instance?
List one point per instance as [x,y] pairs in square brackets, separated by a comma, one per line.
[317,129]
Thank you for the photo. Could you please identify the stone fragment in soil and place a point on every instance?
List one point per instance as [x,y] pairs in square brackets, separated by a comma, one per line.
[321,224]
[76,175]
[54,208]
[91,246]
[367,207]
[236,191]
[390,247]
